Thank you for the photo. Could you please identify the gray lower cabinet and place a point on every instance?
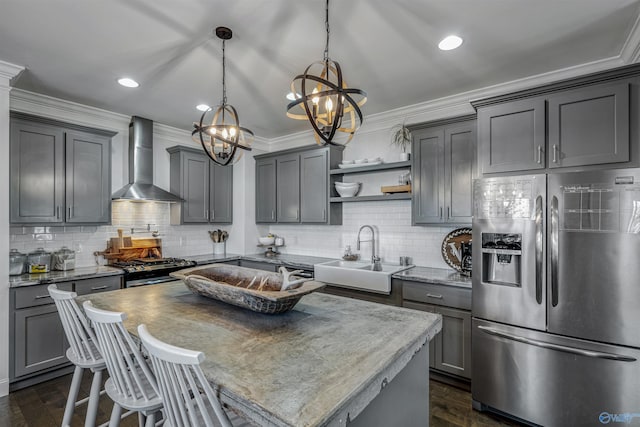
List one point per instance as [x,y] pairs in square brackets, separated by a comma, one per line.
[59,174]
[205,187]
[266,190]
[258,265]
[450,351]
[443,172]
[511,136]
[38,342]
[293,186]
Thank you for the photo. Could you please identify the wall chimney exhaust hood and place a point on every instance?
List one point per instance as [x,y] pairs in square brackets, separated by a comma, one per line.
[140,185]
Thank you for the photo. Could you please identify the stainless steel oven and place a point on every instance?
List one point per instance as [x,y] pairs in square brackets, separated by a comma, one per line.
[151,271]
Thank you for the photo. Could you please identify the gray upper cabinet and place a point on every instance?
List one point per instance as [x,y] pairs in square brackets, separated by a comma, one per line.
[88,157]
[512,136]
[581,123]
[428,174]
[59,173]
[266,190]
[589,126]
[288,188]
[293,186]
[443,172]
[205,188]
[314,166]
[221,193]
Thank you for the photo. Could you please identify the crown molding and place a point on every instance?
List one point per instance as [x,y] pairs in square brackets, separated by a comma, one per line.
[24,101]
[630,52]
[9,70]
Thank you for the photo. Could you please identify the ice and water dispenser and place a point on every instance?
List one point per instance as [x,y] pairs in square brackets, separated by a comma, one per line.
[502,258]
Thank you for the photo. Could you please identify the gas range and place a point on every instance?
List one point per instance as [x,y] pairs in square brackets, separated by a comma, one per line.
[148,271]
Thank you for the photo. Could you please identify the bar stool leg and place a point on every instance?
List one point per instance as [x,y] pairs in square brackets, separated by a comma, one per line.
[116,413]
[94,397]
[73,396]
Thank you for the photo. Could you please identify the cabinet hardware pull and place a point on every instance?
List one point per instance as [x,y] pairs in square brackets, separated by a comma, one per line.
[555,153]
[213,214]
[448,212]
[99,288]
[69,212]
[272,215]
[42,296]
[324,214]
[206,214]
[539,154]
[58,212]
[434,296]
[441,212]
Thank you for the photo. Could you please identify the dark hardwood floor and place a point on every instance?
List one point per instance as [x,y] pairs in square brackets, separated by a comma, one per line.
[42,405]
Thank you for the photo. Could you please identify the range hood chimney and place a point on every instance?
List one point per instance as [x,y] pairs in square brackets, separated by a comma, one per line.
[140,185]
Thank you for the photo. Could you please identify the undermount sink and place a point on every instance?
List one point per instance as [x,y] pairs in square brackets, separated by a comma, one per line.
[358,274]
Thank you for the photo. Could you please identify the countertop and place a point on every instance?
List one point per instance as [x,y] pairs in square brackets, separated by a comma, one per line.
[439,276]
[60,276]
[300,368]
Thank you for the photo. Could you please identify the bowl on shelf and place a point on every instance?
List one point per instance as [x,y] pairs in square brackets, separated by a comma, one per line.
[266,240]
[347,162]
[349,190]
[360,161]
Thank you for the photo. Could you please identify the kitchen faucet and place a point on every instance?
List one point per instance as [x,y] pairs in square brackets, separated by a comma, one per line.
[375,260]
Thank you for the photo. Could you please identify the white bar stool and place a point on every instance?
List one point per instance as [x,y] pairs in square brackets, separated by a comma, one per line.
[83,352]
[186,393]
[131,384]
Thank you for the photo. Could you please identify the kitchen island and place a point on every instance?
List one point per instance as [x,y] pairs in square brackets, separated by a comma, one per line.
[328,362]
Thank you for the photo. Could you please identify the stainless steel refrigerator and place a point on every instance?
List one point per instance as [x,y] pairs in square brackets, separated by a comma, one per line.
[556,297]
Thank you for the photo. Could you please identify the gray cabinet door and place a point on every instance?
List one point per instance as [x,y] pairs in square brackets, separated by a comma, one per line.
[88,178]
[589,126]
[266,190]
[453,343]
[288,188]
[195,188]
[40,342]
[459,161]
[432,343]
[428,174]
[314,184]
[220,193]
[511,136]
[37,173]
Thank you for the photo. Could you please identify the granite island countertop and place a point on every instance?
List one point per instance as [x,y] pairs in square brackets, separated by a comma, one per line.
[328,357]
[62,276]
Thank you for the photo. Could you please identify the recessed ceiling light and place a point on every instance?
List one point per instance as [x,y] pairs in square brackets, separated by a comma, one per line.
[203,107]
[450,42]
[127,82]
[292,97]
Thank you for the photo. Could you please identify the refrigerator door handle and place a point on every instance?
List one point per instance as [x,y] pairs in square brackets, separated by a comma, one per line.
[555,230]
[539,240]
[551,346]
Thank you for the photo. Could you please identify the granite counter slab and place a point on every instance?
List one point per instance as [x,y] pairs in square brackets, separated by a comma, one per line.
[438,276]
[62,276]
[328,356]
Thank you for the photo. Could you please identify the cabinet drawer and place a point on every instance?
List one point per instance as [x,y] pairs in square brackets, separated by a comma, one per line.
[32,296]
[101,284]
[430,293]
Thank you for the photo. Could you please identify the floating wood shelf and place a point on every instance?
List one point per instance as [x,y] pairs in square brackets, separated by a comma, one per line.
[396,196]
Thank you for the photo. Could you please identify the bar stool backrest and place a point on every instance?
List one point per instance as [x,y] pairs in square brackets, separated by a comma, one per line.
[183,386]
[127,367]
[76,326]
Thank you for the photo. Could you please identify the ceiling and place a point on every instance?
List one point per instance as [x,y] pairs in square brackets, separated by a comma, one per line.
[76,50]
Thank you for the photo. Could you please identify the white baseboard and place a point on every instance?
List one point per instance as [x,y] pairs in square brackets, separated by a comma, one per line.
[4,387]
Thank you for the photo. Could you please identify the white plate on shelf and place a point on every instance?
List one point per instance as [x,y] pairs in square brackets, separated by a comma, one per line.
[360,165]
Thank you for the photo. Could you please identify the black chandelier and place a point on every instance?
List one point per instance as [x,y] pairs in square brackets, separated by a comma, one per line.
[324,98]
[222,136]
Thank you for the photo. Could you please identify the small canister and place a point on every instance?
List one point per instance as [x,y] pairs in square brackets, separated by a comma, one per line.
[64,259]
[17,261]
[39,261]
